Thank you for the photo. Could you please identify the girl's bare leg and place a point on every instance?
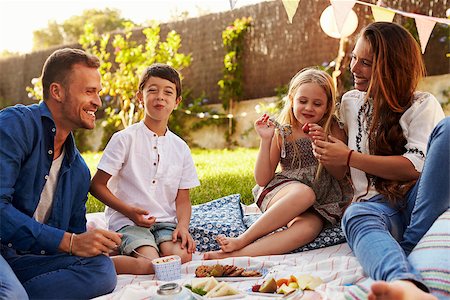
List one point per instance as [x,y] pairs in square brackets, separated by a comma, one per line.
[136,264]
[397,290]
[290,202]
[301,231]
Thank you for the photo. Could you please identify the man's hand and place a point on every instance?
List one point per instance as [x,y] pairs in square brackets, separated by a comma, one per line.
[140,217]
[187,241]
[95,242]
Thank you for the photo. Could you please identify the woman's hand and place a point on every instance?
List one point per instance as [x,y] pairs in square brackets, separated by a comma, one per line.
[333,152]
[264,127]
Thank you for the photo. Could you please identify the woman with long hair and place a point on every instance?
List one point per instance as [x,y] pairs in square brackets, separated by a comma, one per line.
[398,193]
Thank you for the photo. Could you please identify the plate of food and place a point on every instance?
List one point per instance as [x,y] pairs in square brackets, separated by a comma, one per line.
[210,288]
[229,272]
[282,288]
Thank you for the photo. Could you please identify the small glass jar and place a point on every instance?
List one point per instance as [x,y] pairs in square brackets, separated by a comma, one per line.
[173,290]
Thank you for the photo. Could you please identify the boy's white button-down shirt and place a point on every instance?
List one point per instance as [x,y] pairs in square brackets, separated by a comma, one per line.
[147,171]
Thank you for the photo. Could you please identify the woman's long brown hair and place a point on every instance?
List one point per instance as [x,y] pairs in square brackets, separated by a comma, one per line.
[396,72]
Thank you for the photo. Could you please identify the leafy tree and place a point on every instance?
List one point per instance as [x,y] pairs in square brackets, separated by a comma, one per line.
[121,69]
[50,36]
[7,53]
[231,83]
[69,31]
[123,59]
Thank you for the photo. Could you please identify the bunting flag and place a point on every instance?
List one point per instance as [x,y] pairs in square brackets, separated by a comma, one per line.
[291,7]
[424,24]
[341,10]
[381,14]
[424,29]
[232,3]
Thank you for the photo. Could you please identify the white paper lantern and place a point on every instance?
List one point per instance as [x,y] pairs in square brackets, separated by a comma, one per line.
[328,23]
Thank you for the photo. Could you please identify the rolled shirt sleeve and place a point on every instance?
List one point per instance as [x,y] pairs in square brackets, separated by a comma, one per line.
[417,124]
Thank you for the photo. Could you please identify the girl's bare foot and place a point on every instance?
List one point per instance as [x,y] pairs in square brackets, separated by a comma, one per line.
[215,255]
[397,290]
[228,244]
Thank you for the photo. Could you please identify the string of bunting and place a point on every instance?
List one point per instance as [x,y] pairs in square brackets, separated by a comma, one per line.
[342,9]
[259,108]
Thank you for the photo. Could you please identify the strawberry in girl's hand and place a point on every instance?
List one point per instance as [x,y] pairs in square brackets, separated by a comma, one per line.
[305,128]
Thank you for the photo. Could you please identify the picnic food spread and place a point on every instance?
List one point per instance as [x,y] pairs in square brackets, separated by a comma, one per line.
[219,270]
[209,287]
[288,285]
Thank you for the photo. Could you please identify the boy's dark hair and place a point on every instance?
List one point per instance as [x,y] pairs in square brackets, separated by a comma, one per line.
[58,65]
[163,71]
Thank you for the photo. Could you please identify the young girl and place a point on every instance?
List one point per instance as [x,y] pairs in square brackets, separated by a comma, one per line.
[302,196]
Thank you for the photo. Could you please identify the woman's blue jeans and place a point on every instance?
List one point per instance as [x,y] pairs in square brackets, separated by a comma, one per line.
[382,237]
[63,276]
[10,286]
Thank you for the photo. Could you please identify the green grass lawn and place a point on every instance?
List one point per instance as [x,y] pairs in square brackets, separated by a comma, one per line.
[221,173]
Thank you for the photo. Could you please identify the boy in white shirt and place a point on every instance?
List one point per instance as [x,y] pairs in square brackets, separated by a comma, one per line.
[144,178]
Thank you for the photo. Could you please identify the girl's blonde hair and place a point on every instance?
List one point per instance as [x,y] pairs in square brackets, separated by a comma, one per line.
[324,80]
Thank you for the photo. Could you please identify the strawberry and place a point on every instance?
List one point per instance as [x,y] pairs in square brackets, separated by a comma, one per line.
[305,128]
[256,287]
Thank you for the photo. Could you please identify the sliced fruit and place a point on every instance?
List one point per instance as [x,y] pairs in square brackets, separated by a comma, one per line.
[284,289]
[305,128]
[313,283]
[256,287]
[303,280]
[282,281]
[293,285]
[268,286]
[292,278]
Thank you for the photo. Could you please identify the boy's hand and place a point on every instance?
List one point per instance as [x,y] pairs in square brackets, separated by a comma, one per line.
[141,217]
[187,241]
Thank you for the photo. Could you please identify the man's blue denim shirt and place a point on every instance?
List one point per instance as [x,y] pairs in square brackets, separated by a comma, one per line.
[26,152]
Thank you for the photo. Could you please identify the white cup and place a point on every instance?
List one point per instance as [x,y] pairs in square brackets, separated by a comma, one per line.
[167,268]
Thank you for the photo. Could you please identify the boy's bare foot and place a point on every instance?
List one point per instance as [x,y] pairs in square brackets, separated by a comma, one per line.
[228,244]
[397,290]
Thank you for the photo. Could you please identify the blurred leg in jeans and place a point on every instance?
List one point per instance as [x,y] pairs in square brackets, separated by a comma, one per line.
[10,286]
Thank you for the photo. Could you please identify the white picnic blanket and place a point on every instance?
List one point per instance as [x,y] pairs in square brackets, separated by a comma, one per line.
[335,265]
